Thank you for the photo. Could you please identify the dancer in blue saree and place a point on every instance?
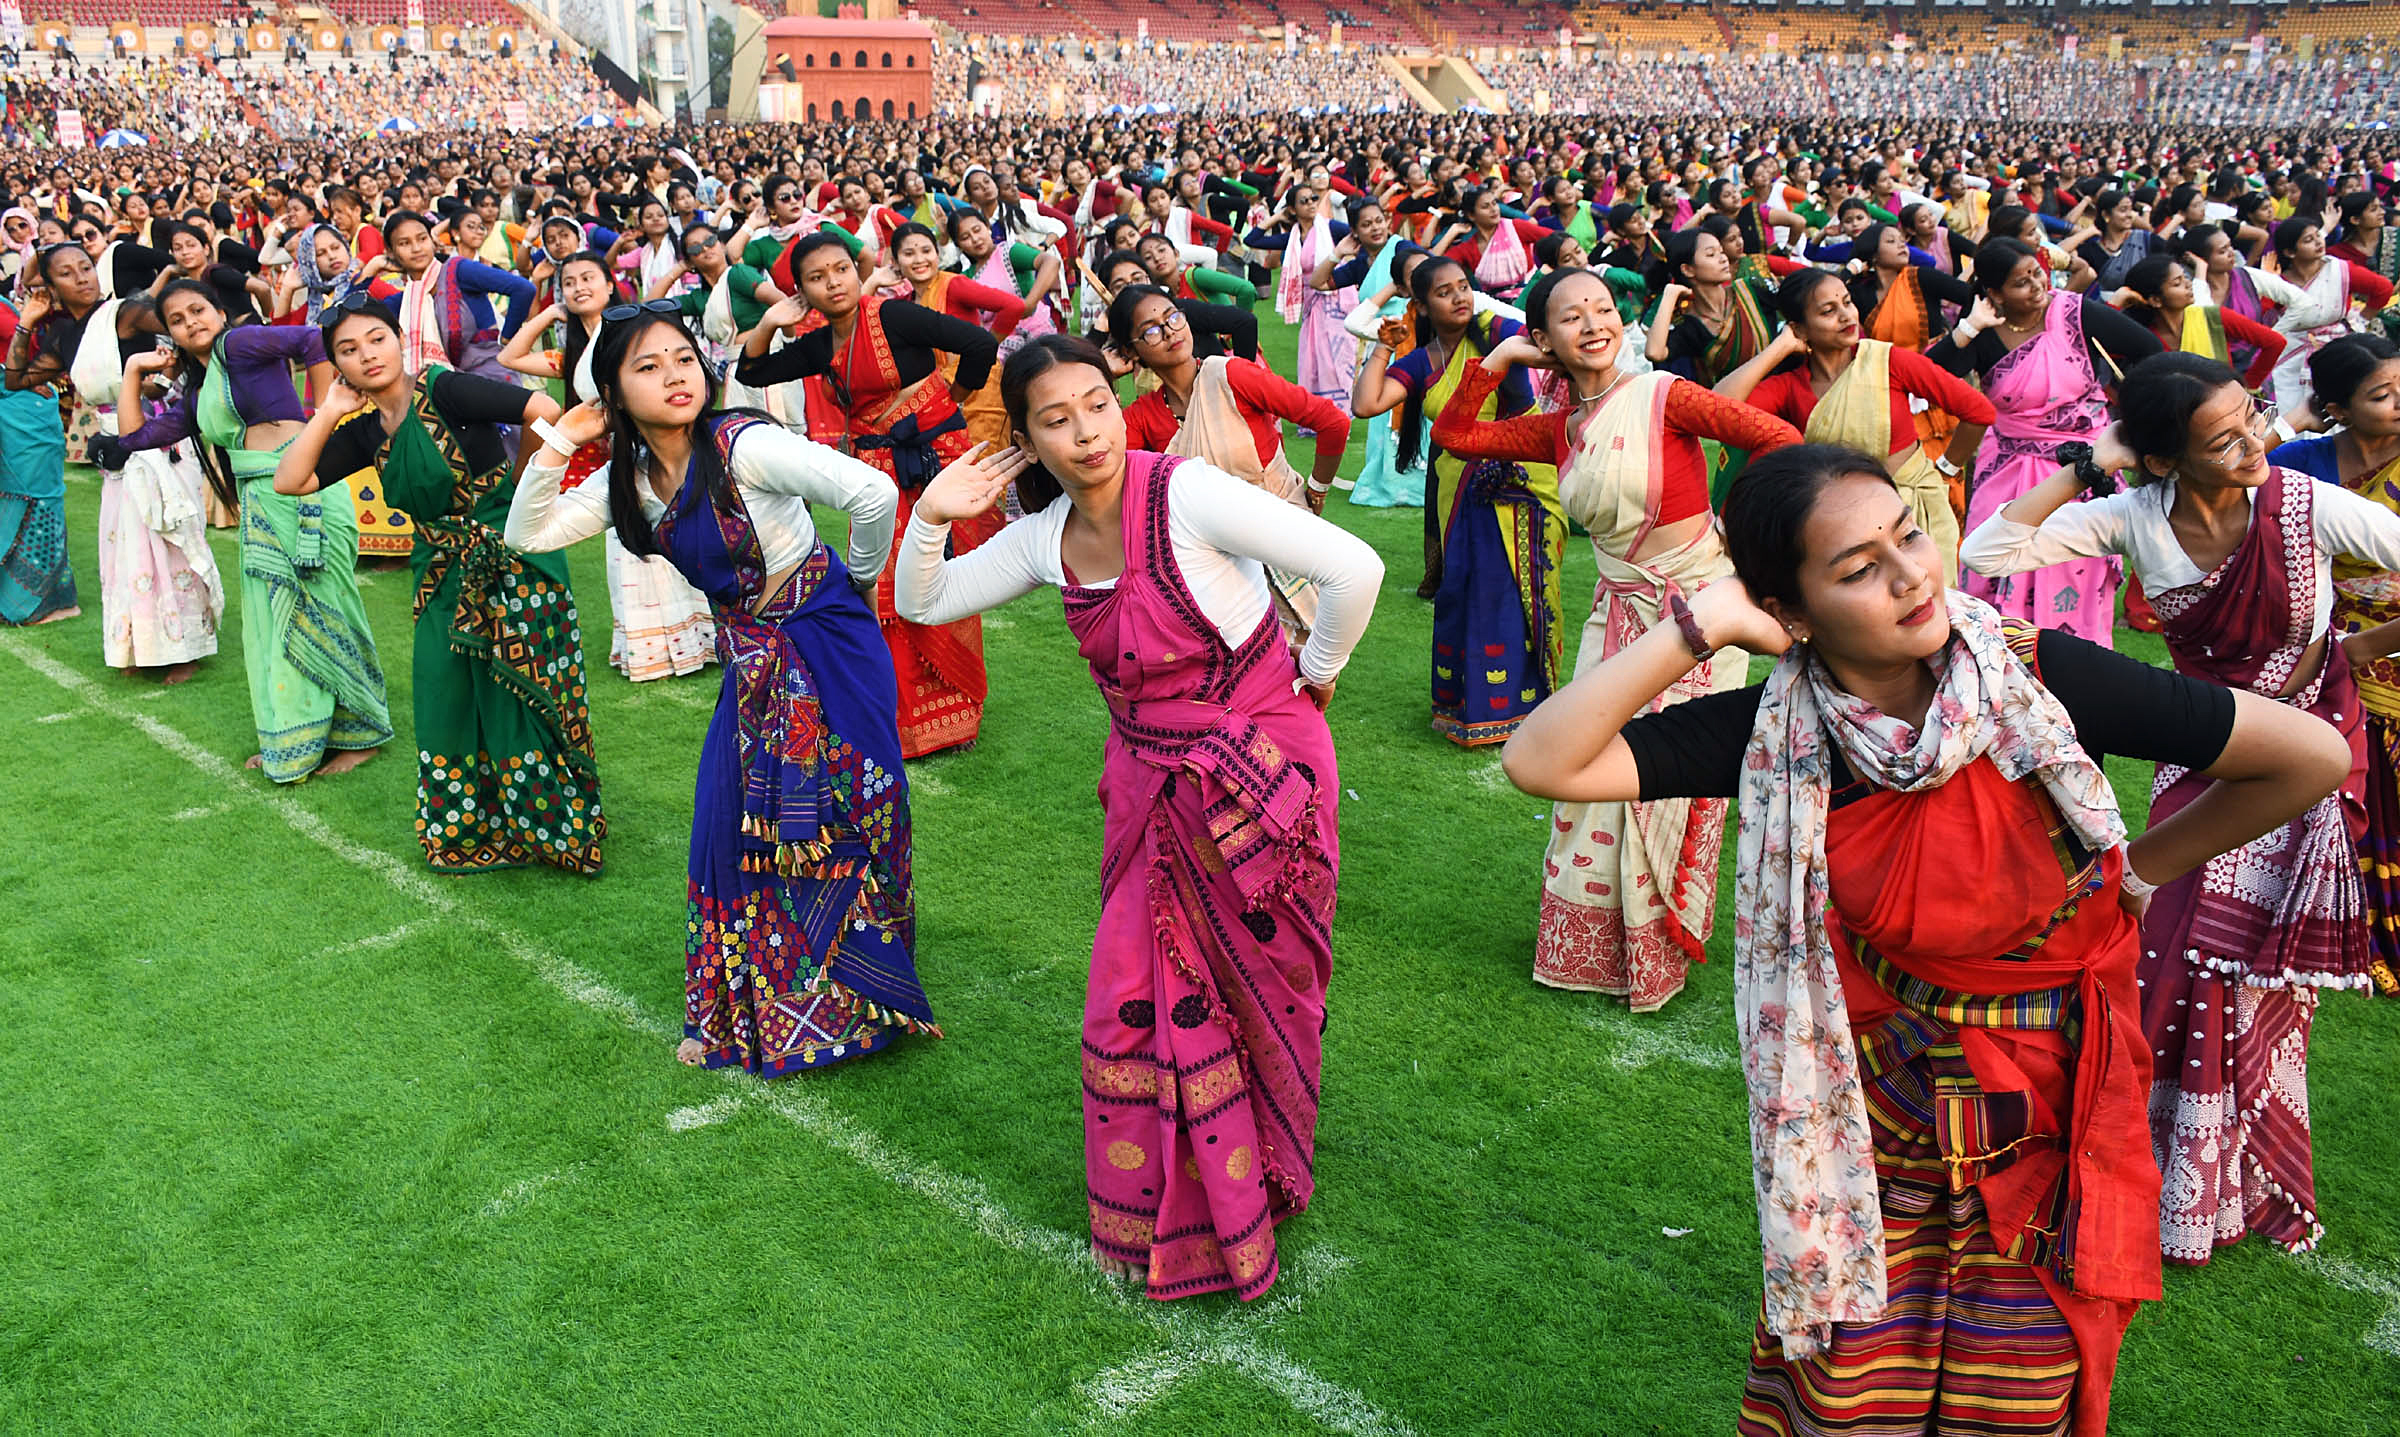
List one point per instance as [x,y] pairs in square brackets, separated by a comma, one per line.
[799,945]
[36,584]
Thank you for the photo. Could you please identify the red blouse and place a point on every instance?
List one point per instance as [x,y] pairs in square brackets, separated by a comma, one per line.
[1265,398]
[1469,251]
[999,310]
[1786,395]
[1693,414]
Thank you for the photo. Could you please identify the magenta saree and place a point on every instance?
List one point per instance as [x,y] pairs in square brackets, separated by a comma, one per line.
[1202,1021]
[2046,394]
[2233,954]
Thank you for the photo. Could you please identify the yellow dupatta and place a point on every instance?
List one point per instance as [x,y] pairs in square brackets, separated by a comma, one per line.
[1857,411]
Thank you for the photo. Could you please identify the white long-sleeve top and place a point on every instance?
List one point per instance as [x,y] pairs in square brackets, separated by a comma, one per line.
[779,474]
[1224,534]
[2133,523]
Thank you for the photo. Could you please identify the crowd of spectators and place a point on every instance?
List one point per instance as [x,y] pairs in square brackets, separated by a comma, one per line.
[1207,79]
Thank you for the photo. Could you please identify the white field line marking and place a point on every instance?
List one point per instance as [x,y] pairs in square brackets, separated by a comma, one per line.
[377,940]
[2384,1336]
[919,781]
[998,623]
[524,1190]
[1492,778]
[1644,1038]
[701,1115]
[206,810]
[964,1197]
[56,718]
[1193,1341]
[411,882]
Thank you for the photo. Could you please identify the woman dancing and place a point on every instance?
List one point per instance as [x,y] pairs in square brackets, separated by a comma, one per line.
[659,626]
[1823,377]
[918,257]
[799,948]
[2162,293]
[2041,354]
[1974,1273]
[880,358]
[316,684]
[1230,413]
[161,596]
[2327,286]
[505,771]
[2356,384]
[1219,793]
[1629,891]
[2237,555]
[37,583]
[1496,526]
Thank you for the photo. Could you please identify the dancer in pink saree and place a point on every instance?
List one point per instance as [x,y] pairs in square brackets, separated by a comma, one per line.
[2032,348]
[1328,357]
[1218,791]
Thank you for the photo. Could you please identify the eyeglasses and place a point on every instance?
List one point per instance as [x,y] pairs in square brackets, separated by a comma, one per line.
[2261,434]
[619,313]
[1174,323]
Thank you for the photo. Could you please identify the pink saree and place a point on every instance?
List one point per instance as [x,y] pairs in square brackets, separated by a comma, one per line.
[1202,1020]
[2233,954]
[2047,394]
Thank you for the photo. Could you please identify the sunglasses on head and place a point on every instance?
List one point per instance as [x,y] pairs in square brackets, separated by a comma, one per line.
[619,313]
[358,301]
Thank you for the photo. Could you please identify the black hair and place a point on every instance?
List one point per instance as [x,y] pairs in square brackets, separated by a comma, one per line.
[1411,437]
[333,319]
[2007,222]
[2336,371]
[1546,249]
[1107,264]
[960,217]
[2149,276]
[1121,310]
[1996,261]
[571,353]
[1622,214]
[2196,239]
[1766,511]
[190,371]
[628,456]
[1794,296]
[399,218]
[1536,299]
[2160,395]
[913,230]
[808,244]
[1037,487]
[2287,235]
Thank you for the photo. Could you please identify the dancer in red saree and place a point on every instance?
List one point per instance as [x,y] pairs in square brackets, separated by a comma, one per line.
[881,358]
[1945,1079]
[1219,792]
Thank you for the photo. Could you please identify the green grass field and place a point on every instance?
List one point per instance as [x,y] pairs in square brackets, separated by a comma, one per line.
[297,1137]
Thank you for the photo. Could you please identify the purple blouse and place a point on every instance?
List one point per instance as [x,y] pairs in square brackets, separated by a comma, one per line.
[258,362]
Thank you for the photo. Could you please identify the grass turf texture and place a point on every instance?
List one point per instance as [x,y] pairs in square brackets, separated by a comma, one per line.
[262,1175]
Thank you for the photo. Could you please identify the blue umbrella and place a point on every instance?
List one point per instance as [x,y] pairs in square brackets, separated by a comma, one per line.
[594,121]
[119,139]
[398,122]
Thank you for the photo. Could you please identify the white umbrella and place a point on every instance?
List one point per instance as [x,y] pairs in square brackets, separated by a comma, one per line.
[399,122]
[595,121]
[119,139]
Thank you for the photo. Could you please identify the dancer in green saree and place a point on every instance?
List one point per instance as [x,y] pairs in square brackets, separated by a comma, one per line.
[505,772]
[316,686]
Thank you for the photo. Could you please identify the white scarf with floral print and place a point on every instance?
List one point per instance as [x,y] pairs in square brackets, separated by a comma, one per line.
[1819,1217]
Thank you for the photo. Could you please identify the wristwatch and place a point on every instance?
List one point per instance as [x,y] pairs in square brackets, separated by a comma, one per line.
[1943,466]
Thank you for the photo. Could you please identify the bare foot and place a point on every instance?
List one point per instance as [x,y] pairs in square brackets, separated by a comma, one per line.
[690,1052]
[130,671]
[343,761]
[179,673]
[70,612]
[1123,1271]
[257,761]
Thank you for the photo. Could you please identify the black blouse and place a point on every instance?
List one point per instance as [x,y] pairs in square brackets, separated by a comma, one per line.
[915,332]
[2117,342]
[469,403]
[1220,329]
[2118,705]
